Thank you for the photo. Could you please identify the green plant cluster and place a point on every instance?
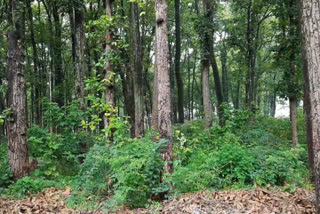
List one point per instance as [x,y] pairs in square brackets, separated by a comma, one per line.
[128,172]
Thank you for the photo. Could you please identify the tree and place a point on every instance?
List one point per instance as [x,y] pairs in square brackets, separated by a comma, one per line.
[310,30]
[17,98]
[177,62]
[163,76]
[210,55]
[79,45]
[289,47]
[139,99]
[108,72]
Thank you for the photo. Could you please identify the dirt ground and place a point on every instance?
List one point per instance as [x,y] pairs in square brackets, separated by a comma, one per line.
[258,201]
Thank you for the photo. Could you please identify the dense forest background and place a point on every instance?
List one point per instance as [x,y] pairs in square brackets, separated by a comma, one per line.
[139,100]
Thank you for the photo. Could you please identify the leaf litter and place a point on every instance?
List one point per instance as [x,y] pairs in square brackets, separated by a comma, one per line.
[257,201]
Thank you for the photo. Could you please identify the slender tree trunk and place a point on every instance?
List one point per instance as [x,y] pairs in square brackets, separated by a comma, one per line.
[177,62]
[155,113]
[225,79]
[292,84]
[164,91]
[209,54]
[17,98]
[108,74]
[207,106]
[138,74]
[79,49]
[37,75]
[293,118]
[310,30]
[57,57]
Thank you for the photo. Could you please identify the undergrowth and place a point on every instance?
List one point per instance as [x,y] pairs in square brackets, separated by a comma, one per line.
[241,155]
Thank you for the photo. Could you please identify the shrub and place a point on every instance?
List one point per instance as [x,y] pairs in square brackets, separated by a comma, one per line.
[129,172]
[29,185]
[5,172]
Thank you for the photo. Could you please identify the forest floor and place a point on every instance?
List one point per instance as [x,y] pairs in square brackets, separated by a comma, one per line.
[258,201]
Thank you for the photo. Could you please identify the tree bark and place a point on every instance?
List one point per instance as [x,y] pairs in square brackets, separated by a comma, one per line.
[177,62]
[164,91]
[210,55]
[293,118]
[207,106]
[310,29]
[57,57]
[108,73]
[138,74]
[17,98]
[36,68]
[79,49]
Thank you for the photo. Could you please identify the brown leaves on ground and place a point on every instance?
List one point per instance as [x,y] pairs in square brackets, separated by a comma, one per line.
[258,201]
[48,201]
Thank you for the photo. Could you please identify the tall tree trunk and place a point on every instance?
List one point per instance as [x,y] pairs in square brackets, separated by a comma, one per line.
[17,98]
[37,80]
[164,91]
[293,118]
[292,83]
[310,30]
[207,106]
[225,79]
[57,57]
[177,62]
[208,45]
[155,92]
[79,49]
[108,74]
[138,72]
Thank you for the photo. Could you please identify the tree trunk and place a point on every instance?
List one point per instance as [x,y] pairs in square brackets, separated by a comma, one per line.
[17,98]
[225,79]
[293,118]
[177,63]
[108,74]
[164,91]
[206,94]
[79,49]
[37,80]
[57,57]
[210,55]
[310,30]
[138,74]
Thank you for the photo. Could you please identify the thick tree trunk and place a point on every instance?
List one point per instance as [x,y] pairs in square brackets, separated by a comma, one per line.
[177,63]
[79,49]
[138,74]
[311,33]
[17,98]
[108,74]
[164,91]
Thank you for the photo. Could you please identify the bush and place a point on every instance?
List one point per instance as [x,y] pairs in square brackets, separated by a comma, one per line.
[5,172]
[129,172]
[283,167]
[29,185]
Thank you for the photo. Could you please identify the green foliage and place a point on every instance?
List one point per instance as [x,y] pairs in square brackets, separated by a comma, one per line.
[5,172]
[220,159]
[129,171]
[29,185]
